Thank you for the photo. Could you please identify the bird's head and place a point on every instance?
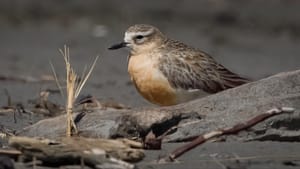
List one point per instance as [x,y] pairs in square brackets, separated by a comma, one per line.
[140,38]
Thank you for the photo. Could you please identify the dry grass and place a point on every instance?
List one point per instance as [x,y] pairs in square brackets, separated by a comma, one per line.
[74,85]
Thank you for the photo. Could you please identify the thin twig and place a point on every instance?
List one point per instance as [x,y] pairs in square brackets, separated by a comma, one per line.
[56,81]
[227,131]
[71,80]
[82,83]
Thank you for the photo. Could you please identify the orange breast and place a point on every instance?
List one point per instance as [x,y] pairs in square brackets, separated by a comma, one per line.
[150,82]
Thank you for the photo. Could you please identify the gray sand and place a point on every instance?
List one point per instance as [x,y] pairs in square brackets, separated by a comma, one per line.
[255,39]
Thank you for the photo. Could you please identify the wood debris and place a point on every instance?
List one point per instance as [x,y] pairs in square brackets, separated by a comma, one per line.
[75,150]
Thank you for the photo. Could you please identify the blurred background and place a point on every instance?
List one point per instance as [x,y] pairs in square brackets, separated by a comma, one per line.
[252,38]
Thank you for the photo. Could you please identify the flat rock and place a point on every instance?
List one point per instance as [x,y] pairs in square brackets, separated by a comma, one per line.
[216,111]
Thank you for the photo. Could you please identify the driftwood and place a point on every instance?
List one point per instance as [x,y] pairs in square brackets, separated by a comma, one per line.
[76,150]
[190,119]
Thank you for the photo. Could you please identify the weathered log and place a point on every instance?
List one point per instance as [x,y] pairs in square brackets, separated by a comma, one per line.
[77,150]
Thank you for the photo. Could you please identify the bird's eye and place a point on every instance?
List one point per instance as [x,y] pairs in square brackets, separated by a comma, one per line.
[139,37]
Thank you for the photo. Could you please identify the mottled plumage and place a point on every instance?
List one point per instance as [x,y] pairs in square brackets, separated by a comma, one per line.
[189,68]
[168,72]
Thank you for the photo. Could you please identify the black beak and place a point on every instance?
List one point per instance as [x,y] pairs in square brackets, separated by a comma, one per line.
[118,46]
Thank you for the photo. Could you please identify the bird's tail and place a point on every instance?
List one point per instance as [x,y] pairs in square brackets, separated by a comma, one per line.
[231,79]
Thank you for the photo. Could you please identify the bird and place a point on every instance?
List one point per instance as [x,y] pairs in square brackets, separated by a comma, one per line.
[168,72]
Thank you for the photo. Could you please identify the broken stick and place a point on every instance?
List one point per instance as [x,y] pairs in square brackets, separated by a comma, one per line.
[227,131]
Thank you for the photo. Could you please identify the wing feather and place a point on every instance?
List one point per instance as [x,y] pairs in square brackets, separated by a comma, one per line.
[188,68]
